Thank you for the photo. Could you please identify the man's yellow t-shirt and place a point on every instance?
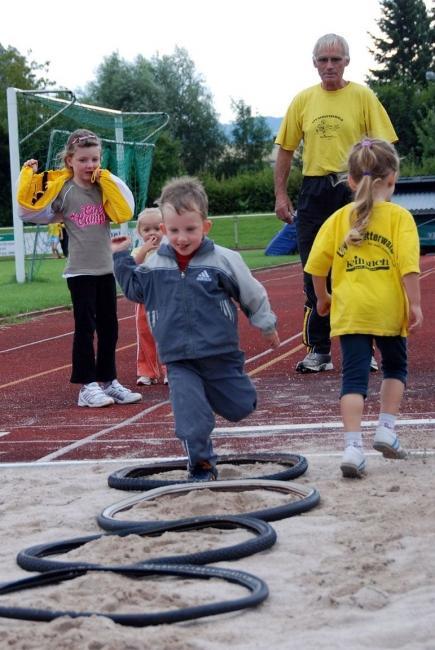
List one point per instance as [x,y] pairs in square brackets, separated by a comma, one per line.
[330,122]
[367,291]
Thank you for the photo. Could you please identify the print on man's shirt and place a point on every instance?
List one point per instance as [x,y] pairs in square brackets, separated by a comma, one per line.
[327,125]
[89,215]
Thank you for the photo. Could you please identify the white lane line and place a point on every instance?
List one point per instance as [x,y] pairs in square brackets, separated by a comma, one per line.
[94,436]
[223,431]
[312,425]
[47,340]
[417,453]
[269,350]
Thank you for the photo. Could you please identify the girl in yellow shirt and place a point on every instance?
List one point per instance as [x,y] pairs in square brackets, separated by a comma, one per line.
[371,247]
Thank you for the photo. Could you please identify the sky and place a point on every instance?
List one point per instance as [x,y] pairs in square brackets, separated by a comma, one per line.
[259,52]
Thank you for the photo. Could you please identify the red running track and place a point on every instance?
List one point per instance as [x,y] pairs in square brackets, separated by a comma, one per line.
[40,420]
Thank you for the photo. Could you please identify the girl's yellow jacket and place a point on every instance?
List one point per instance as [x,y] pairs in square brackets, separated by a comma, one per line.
[36,193]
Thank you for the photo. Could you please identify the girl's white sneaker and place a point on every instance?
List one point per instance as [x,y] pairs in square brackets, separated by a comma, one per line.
[93,395]
[387,442]
[353,463]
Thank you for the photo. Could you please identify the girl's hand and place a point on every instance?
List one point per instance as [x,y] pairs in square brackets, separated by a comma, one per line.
[120,243]
[96,175]
[415,318]
[32,163]
[324,305]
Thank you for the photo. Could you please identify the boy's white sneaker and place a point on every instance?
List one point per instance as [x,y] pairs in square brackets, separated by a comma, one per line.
[353,463]
[93,395]
[387,442]
[120,394]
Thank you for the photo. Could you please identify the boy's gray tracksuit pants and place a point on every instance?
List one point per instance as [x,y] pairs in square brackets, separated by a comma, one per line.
[201,388]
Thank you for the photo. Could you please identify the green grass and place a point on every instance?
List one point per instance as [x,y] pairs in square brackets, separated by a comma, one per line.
[245,232]
[49,289]
[258,260]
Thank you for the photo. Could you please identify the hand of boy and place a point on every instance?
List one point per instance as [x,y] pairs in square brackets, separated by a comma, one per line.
[149,245]
[272,338]
[120,243]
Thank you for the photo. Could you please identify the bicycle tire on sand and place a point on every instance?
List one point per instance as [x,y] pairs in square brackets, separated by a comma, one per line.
[35,558]
[307,498]
[258,592]
[137,478]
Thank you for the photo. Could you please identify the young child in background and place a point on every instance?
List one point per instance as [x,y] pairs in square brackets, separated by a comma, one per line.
[149,368]
[190,286]
[55,235]
[372,248]
[85,194]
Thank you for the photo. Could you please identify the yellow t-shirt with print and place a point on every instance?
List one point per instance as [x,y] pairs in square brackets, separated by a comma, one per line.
[330,122]
[367,291]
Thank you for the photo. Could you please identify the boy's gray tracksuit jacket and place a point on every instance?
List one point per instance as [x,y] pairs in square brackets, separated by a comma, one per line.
[191,313]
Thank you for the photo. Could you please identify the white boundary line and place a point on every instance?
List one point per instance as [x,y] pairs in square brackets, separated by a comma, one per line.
[50,338]
[94,436]
[151,461]
[269,350]
[313,425]
[224,431]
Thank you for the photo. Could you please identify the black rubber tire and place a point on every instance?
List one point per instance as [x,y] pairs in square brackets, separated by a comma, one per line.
[135,478]
[34,558]
[307,499]
[258,593]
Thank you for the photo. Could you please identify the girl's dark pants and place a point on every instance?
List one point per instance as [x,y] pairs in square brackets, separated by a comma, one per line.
[94,304]
[356,352]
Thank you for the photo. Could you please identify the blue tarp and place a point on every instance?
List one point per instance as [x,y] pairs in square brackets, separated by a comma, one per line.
[284,242]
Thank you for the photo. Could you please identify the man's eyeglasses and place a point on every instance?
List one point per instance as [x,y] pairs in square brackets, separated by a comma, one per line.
[325,59]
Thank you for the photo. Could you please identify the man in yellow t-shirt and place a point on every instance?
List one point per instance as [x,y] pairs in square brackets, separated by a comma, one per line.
[329,118]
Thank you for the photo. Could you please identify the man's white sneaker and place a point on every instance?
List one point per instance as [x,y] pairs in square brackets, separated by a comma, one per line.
[92,395]
[373,364]
[353,463]
[387,442]
[315,362]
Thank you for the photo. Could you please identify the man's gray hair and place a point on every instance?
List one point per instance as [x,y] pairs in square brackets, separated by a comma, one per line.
[331,40]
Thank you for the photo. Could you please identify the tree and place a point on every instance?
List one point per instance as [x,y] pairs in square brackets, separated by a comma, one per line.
[16,72]
[252,138]
[124,86]
[193,119]
[167,163]
[432,37]
[193,139]
[404,53]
